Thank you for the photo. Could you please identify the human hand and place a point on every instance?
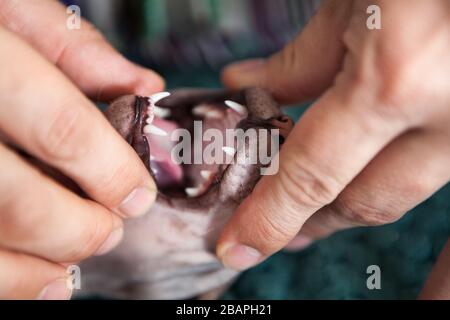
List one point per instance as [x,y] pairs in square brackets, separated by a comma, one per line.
[373,145]
[46,70]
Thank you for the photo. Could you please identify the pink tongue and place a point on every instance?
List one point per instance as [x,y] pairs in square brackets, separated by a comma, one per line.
[167,173]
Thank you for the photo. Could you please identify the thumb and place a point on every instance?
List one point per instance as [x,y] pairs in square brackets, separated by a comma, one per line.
[306,66]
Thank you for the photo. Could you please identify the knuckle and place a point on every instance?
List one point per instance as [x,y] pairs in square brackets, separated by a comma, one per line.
[386,77]
[306,184]
[66,47]
[363,214]
[386,88]
[66,137]
[398,89]
[394,81]
[272,233]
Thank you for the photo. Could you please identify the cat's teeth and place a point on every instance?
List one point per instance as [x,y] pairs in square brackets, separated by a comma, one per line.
[161,112]
[229,150]
[154,98]
[206,174]
[193,192]
[149,119]
[206,111]
[152,129]
[152,158]
[239,108]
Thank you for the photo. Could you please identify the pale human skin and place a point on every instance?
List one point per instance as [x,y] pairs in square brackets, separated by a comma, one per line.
[373,145]
[47,74]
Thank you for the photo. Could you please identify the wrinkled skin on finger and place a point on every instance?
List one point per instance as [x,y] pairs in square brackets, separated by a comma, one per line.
[169,253]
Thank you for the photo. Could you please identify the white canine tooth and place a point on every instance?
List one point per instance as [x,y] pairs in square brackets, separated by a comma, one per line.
[152,158]
[154,98]
[149,119]
[229,150]
[152,129]
[206,174]
[192,192]
[161,112]
[239,108]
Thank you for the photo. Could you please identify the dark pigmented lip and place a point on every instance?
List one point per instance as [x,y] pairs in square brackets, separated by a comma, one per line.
[137,138]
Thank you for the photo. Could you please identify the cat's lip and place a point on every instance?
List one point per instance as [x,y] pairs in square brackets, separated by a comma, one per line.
[136,138]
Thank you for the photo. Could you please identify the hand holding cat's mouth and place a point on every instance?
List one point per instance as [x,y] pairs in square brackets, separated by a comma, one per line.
[170,252]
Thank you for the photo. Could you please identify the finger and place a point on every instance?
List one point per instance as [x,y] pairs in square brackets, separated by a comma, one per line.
[54,122]
[83,55]
[404,174]
[27,277]
[317,161]
[41,218]
[306,66]
[437,286]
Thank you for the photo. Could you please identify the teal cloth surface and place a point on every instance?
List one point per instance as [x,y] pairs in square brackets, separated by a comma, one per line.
[335,268]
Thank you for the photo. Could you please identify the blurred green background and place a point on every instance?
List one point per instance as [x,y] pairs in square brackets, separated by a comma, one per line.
[188,41]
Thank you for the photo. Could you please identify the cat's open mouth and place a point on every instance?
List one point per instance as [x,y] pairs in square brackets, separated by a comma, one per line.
[169,253]
[188,139]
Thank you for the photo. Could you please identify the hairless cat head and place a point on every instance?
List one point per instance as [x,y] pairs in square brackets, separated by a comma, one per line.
[169,253]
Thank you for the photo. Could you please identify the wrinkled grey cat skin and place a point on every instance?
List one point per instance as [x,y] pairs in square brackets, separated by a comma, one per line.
[169,253]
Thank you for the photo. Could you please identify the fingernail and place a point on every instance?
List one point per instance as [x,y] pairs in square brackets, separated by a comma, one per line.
[138,202]
[246,65]
[111,242]
[56,290]
[239,257]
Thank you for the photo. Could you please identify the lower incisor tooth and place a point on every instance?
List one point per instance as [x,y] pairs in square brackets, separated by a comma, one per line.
[192,192]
